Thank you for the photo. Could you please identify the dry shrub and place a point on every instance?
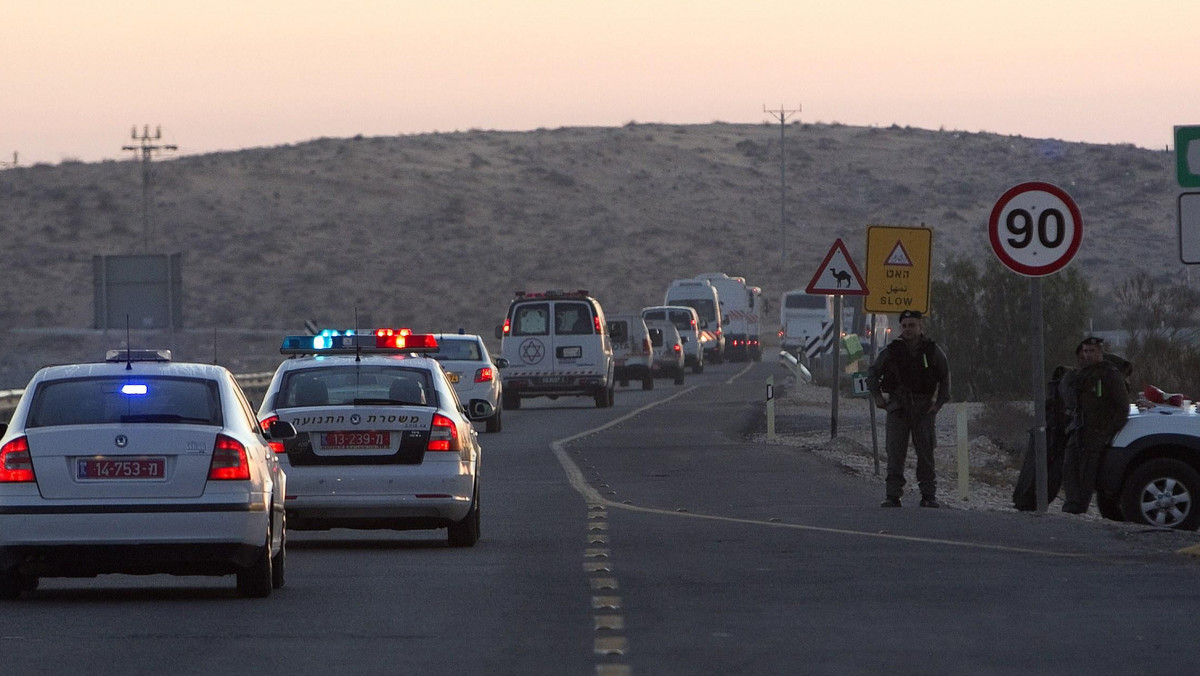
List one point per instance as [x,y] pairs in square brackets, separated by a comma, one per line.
[1007,425]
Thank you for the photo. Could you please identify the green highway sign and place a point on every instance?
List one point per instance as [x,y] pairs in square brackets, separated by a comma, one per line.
[1187,156]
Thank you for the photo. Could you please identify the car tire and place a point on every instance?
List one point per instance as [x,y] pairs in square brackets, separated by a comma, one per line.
[255,581]
[512,401]
[494,423]
[465,533]
[648,382]
[1110,508]
[10,585]
[679,375]
[279,561]
[1163,492]
[698,367]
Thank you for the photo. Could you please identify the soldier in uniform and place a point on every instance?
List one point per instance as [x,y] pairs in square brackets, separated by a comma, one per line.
[1097,395]
[915,375]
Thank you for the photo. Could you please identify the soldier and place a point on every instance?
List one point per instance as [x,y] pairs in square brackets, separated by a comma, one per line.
[915,374]
[1097,394]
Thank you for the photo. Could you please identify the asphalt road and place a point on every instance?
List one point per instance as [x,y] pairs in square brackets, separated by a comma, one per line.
[651,538]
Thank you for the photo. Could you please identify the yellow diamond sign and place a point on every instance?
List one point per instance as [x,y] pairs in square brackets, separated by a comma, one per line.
[898,269]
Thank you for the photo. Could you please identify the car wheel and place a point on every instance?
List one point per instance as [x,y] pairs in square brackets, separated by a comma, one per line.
[1163,492]
[10,585]
[512,401]
[1110,508]
[648,382]
[279,561]
[494,423]
[255,581]
[679,376]
[698,367]
[465,533]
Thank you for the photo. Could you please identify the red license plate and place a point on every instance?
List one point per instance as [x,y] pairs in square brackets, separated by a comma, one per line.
[347,440]
[91,469]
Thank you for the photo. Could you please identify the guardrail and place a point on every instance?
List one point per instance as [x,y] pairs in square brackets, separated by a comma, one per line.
[253,384]
[799,371]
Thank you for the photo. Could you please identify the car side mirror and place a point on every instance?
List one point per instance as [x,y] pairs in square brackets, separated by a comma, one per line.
[281,429]
[499,331]
[479,409]
[725,321]
[500,362]
[683,339]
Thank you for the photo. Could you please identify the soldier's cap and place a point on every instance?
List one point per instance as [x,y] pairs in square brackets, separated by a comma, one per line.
[1090,340]
[910,314]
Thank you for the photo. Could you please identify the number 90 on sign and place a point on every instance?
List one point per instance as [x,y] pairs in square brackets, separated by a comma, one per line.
[1035,229]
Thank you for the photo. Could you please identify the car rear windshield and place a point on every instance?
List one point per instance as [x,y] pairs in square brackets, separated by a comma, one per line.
[573,319]
[349,385]
[806,301]
[157,399]
[455,349]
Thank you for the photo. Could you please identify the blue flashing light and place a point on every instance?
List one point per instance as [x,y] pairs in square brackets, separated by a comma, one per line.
[322,342]
[134,389]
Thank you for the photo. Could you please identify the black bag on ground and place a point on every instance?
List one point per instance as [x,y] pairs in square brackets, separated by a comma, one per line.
[1057,418]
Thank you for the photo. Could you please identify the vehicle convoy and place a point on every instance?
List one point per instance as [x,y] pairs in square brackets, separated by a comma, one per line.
[743,306]
[557,345]
[687,323]
[382,441]
[702,296]
[1150,472]
[667,346]
[803,319]
[472,372]
[140,465]
[633,356]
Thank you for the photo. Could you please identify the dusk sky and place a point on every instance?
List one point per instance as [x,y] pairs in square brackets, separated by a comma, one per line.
[225,75]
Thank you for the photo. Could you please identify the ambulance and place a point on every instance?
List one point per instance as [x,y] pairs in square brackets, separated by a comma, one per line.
[557,345]
[741,304]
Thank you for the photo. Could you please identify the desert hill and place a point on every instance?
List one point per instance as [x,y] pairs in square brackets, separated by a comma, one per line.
[436,231]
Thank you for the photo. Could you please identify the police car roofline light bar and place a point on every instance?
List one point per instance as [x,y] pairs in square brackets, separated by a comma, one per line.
[377,341]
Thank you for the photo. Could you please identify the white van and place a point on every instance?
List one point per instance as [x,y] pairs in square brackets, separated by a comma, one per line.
[699,294]
[556,344]
[687,323]
[633,353]
[803,318]
[742,305]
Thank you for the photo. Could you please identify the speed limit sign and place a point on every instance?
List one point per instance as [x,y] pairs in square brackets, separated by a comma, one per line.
[1035,229]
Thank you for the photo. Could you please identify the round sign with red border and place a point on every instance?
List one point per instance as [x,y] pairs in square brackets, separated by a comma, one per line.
[1035,229]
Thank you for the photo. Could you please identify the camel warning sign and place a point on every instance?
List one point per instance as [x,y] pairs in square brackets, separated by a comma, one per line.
[837,275]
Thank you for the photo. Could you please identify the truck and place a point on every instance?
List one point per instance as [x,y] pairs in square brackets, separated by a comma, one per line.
[742,304]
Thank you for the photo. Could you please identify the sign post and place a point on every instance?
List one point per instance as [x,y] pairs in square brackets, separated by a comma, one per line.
[1035,229]
[837,276]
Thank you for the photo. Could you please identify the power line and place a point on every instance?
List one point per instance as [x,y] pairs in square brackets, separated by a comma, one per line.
[147,148]
[782,115]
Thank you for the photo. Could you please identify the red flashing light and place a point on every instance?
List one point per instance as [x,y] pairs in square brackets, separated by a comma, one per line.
[507,326]
[484,375]
[444,435]
[229,461]
[599,327]
[403,339]
[16,465]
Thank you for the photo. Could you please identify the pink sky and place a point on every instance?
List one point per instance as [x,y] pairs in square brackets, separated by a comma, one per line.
[76,75]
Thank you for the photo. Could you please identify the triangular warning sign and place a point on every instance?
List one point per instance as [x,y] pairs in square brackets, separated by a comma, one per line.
[898,256]
[837,274]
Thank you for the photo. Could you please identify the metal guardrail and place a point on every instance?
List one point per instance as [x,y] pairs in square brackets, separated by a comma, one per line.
[799,371]
[253,384]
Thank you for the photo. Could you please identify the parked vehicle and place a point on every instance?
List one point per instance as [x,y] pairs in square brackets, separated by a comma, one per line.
[687,323]
[742,304]
[703,297]
[1150,472]
[556,344]
[633,357]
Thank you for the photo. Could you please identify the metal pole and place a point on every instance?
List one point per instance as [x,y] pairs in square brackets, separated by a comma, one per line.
[871,400]
[837,364]
[1039,391]
[782,192]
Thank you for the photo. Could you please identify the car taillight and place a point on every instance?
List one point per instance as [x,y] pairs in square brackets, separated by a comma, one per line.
[228,460]
[599,328]
[484,375]
[507,326]
[677,347]
[16,465]
[276,446]
[444,434]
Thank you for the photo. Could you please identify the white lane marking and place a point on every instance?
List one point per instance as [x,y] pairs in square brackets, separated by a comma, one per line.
[739,374]
[594,499]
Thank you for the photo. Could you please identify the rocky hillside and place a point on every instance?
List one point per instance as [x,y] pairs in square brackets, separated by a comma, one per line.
[436,231]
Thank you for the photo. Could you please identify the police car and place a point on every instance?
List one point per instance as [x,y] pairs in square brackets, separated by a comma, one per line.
[140,465]
[382,440]
[476,378]
[557,344]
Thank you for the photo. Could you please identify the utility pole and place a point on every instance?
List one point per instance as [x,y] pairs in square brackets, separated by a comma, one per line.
[782,115]
[147,148]
[6,165]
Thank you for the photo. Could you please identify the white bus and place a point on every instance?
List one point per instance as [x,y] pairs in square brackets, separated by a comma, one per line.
[803,318]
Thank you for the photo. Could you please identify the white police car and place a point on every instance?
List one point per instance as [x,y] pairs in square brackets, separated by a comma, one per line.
[382,440]
[473,373]
[139,465]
